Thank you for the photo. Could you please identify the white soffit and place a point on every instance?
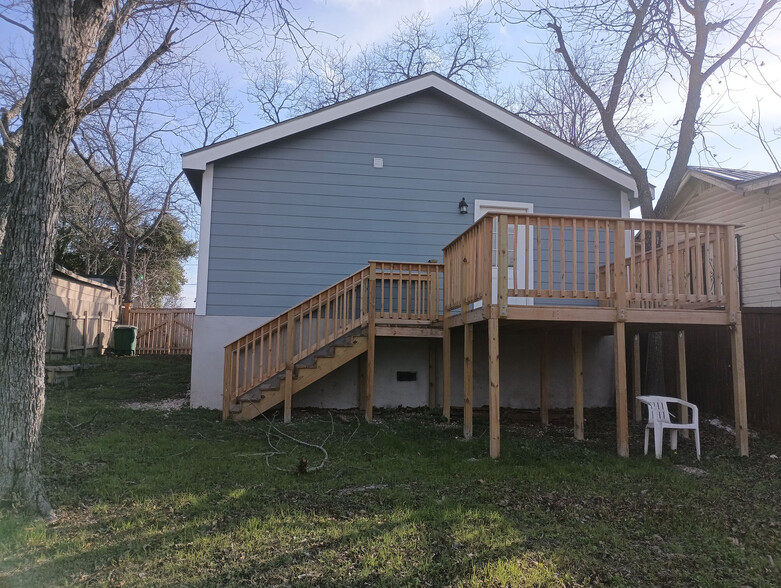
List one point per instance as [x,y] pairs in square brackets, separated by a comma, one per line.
[198,159]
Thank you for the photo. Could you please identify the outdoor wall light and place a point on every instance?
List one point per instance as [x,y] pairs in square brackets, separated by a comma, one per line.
[463,207]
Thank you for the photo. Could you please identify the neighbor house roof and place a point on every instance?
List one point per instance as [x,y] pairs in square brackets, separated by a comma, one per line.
[194,162]
[739,181]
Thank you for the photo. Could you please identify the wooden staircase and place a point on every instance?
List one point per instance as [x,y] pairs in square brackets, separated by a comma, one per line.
[305,372]
[300,346]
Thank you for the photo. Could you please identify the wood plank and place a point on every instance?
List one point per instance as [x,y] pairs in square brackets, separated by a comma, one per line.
[683,394]
[622,422]
[446,369]
[577,368]
[502,264]
[636,379]
[411,331]
[493,386]
[468,381]
[432,375]
[739,387]
[543,351]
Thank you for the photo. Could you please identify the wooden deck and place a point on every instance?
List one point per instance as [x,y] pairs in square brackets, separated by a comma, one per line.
[579,273]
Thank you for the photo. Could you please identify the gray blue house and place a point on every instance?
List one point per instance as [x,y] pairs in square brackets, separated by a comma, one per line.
[290,209]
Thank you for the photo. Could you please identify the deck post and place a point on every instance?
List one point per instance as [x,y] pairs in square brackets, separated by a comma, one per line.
[468,382]
[622,423]
[502,263]
[739,387]
[493,384]
[290,340]
[637,413]
[362,381]
[683,393]
[432,374]
[372,330]
[445,368]
[577,369]
[544,379]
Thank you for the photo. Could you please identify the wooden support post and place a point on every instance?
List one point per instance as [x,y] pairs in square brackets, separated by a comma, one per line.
[362,381]
[739,387]
[637,413]
[622,421]
[226,383]
[683,393]
[544,377]
[577,369]
[445,369]
[502,263]
[372,299]
[468,382]
[68,321]
[84,334]
[290,340]
[432,374]
[493,384]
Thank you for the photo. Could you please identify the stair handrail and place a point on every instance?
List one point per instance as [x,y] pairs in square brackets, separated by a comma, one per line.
[321,319]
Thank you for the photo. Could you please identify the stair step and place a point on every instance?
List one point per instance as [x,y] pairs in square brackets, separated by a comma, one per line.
[253,396]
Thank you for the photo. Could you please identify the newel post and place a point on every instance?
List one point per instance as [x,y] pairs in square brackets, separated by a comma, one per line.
[370,346]
[290,344]
[502,263]
[736,344]
[619,334]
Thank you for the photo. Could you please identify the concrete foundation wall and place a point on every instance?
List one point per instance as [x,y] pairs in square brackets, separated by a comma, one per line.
[518,362]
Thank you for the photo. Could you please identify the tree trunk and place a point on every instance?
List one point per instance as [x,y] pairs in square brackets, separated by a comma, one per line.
[33,199]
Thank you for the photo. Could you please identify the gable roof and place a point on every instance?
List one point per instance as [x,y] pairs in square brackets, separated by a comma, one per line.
[194,162]
[738,181]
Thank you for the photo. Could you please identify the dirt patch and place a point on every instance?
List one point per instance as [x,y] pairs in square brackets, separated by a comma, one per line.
[165,405]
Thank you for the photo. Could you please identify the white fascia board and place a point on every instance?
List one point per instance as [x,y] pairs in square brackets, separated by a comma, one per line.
[203,240]
[197,160]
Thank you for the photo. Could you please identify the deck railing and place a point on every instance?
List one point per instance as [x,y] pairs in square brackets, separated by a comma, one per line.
[387,291]
[514,259]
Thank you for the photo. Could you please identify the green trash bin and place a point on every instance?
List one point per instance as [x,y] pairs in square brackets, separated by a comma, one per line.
[125,339]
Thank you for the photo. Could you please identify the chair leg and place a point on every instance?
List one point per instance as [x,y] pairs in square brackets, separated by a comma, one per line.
[646,441]
[697,441]
[658,432]
[674,439]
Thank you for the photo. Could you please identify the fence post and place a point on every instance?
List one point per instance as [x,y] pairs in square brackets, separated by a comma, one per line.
[101,338]
[84,336]
[68,320]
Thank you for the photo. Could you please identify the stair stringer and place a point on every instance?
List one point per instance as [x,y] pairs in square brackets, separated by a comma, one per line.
[272,391]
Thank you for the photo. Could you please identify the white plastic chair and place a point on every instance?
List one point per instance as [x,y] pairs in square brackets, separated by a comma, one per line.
[660,418]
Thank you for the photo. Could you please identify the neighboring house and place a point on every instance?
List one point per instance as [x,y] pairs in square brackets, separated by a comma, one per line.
[289,210]
[752,200]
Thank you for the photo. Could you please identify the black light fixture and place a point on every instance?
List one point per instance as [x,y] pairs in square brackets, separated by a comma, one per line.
[463,207]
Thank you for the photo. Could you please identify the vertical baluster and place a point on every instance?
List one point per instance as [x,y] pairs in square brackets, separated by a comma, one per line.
[527,275]
[575,289]
[665,267]
[643,262]
[550,256]
[718,275]
[252,370]
[708,266]
[562,261]
[586,285]
[676,268]
[597,266]
[698,260]
[653,277]
[608,277]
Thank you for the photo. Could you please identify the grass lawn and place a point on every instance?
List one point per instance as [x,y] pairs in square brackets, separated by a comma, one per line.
[178,498]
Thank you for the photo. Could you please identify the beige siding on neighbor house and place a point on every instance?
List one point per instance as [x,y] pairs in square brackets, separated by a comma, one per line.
[760,215]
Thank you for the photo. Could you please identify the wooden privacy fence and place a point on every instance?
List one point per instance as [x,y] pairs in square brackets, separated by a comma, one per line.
[611,262]
[68,333]
[167,331]
[709,368]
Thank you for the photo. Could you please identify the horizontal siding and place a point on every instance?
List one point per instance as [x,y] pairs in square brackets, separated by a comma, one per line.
[291,218]
[759,215]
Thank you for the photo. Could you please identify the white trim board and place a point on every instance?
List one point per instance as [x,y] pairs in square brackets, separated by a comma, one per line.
[200,158]
[203,240]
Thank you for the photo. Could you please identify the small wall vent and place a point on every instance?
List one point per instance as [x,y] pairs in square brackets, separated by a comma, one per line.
[378,163]
[406,376]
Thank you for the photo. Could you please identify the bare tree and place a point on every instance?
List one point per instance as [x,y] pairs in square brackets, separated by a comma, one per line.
[640,42]
[73,44]
[552,99]
[463,53]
